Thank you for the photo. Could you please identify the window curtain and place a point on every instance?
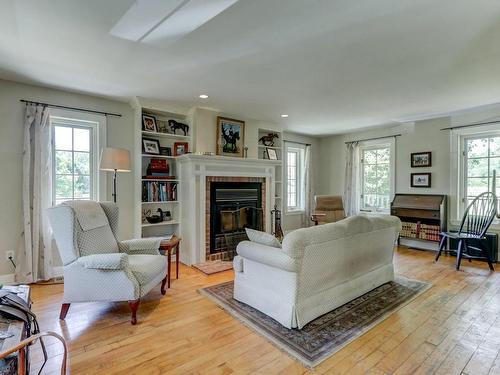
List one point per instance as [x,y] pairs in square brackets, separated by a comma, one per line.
[34,260]
[309,187]
[351,182]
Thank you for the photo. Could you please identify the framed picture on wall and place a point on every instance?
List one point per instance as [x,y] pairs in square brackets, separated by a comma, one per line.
[421,180]
[421,159]
[230,137]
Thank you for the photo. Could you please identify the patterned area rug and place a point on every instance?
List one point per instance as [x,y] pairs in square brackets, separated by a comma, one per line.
[328,333]
[215,266]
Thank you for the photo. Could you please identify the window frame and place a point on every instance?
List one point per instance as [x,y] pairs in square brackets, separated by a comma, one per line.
[97,126]
[299,149]
[373,145]
[459,168]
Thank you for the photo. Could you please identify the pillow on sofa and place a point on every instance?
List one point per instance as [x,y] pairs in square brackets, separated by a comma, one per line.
[262,238]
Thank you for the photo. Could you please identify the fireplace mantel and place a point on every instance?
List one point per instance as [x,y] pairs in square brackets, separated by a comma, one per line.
[193,172]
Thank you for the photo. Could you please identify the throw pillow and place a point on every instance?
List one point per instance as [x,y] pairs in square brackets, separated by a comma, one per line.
[262,238]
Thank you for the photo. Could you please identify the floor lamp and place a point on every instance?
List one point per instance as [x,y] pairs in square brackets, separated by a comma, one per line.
[115,160]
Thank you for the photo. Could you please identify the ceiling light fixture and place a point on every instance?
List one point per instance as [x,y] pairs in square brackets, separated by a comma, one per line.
[284,115]
[203,96]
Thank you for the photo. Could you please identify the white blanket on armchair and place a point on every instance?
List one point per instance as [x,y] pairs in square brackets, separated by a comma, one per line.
[318,269]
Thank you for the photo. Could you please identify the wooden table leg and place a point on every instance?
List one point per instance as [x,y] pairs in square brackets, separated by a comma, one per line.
[177,261]
[169,259]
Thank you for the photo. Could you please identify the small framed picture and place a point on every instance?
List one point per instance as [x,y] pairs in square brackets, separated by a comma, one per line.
[421,159]
[271,153]
[181,148]
[165,151]
[149,123]
[421,180]
[151,146]
[162,126]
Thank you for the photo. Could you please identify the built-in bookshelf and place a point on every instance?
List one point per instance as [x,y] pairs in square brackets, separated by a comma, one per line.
[158,182]
[267,148]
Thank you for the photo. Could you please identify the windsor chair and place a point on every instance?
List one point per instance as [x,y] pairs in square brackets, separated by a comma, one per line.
[475,222]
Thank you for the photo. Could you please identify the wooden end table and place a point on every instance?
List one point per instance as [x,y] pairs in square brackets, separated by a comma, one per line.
[168,246]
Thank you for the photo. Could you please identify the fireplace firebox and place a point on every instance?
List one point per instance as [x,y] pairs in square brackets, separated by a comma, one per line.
[234,206]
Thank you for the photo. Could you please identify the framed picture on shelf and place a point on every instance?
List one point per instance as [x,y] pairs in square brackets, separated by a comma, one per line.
[162,126]
[165,151]
[421,159]
[181,148]
[150,146]
[421,180]
[149,123]
[271,153]
[230,137]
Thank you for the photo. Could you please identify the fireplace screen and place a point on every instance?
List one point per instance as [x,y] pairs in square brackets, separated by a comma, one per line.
[234,206]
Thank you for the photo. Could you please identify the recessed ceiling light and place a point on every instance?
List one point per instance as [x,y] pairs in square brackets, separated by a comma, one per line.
[204,96]
[284,115]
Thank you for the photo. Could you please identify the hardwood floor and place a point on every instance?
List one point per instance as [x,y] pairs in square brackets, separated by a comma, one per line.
[453,328]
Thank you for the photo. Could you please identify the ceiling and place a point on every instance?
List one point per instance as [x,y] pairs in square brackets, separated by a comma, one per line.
[332,66]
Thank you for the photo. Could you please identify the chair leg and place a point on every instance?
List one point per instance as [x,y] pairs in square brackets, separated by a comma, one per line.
[163,282]
[488,259]
[459,253]
[134,305]
[64,310]
[441,245]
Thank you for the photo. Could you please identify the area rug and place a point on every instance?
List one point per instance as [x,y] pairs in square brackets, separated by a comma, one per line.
[209,268]
[328,333]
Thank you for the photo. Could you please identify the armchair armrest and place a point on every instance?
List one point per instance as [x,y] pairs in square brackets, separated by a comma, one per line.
[317,216]
[112,261]
[268,255]
[140,246]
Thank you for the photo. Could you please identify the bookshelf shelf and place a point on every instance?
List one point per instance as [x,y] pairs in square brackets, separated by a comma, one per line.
[165,135]
[162,224]
[158,156]
[160,202]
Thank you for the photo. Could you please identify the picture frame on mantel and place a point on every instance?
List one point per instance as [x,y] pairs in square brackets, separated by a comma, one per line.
[420,180]
[230,137]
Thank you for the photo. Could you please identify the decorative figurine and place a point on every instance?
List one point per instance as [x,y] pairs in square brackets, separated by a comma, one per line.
[174,125]
[268,140]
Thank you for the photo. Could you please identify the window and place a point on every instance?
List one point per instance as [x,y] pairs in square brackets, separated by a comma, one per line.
[75,145]
[295,178]
[481,156]
[376,178]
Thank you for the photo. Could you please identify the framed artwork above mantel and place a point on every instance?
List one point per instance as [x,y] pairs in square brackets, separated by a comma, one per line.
[230,137]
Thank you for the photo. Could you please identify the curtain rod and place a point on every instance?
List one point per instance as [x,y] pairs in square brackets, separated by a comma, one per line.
[298,143]
[71,108]
[474,124]
[372,139]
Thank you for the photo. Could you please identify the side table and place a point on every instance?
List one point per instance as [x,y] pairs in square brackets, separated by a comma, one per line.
[169,247]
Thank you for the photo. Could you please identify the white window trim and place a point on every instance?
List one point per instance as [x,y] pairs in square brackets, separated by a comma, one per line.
[300,208]
[377,143]
[98,124]
[458,169]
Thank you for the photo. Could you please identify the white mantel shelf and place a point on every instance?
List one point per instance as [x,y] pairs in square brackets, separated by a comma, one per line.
[226,159]
[193,172]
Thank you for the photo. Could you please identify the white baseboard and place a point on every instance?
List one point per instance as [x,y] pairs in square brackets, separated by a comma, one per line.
[11,277]
[7,279]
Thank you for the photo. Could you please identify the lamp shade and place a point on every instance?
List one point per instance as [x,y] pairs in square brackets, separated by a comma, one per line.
[115,159]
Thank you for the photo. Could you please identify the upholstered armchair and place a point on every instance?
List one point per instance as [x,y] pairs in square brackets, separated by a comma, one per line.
[329,209]
[98,267]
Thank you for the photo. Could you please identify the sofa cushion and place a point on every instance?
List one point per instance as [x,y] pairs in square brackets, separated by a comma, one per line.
[262,238]
[146,267]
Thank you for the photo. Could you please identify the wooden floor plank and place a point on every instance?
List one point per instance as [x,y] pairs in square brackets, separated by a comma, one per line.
[454,327]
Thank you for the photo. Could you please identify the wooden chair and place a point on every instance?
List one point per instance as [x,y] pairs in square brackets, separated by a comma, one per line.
[329,209]
[31,340]
[475,223]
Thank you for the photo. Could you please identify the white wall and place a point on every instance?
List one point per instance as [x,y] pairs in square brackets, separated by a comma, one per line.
[416,137]
[119,134]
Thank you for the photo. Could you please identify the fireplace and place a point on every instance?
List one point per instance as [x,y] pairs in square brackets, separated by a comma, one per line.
[234,203]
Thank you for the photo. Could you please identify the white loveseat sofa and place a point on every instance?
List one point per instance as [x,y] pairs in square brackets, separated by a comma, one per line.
[317,269]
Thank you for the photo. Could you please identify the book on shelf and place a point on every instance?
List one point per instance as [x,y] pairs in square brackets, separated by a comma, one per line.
[157,191]
[156,176]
